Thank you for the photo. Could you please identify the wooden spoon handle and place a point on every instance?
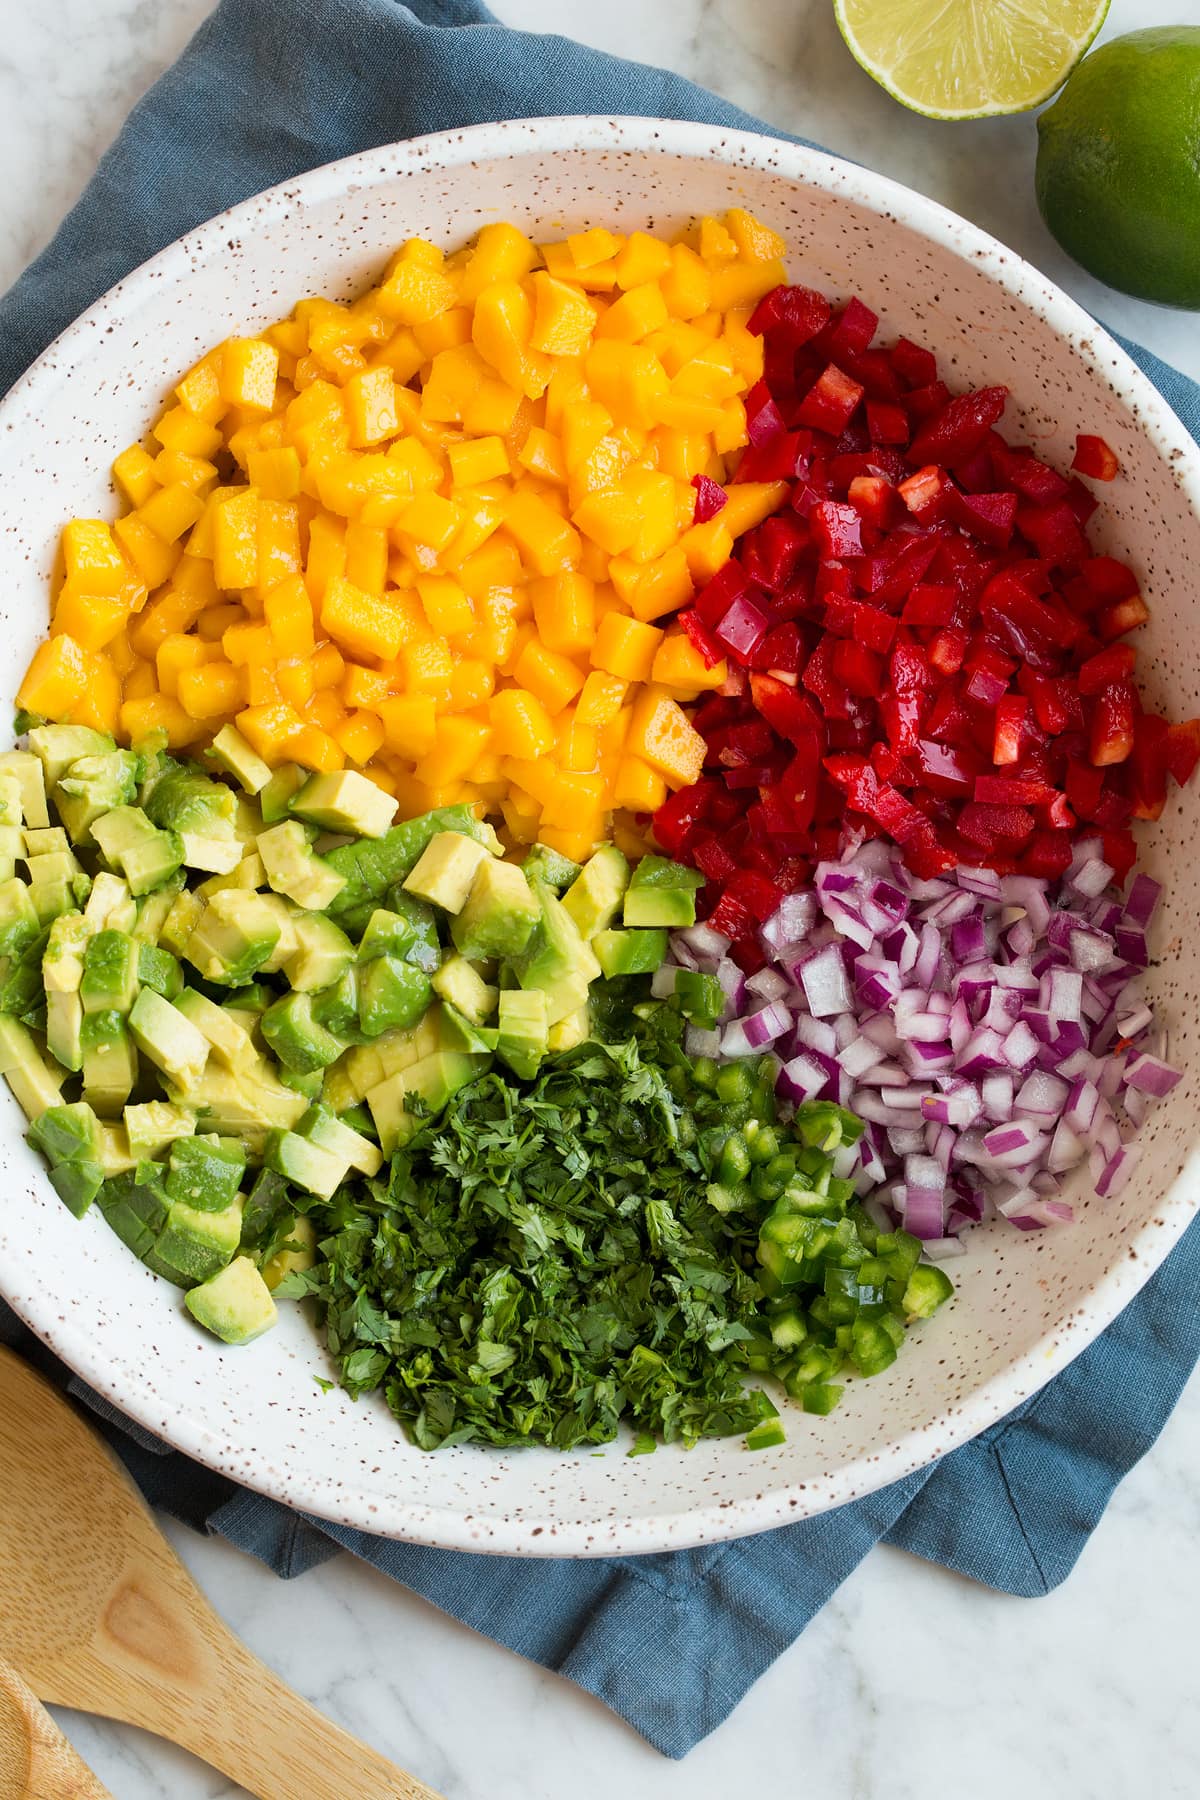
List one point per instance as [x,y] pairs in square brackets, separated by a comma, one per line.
[36,1761]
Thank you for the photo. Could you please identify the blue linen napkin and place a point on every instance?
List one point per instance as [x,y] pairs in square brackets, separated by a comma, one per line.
[670,1642]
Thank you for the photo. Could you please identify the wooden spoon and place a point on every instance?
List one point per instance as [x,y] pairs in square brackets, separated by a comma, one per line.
[99,1613]
[36,1761]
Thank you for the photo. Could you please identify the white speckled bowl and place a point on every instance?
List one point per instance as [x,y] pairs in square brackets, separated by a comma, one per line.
[1026,1304]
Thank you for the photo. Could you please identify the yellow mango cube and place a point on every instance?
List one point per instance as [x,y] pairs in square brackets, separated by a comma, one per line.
[687,286]
[359,622]
[55,679]
[625,647]
[756,242]
[91,557]
[642,258]
[430,520]
[371,407]
[367,551]
[476,460]
[638,786]
[750,502]
[360,736]
[447,608]
[133,472]
[249,371]
[564,611]
[661,734]
[147,553]
[211,690]
[593,246]
[600,699]
[547,540]
[553,679]
[500,253]
[414,293]
[409,724]
[326,555]
[200,390]
[235,539]
[520,724]
[628,379]
[457,745]
[635,315]
[563,319]
[679,668]
[289,616]
[93,620]
[426,666]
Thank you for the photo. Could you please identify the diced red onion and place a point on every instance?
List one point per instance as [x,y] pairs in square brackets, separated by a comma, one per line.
[826,988]
[1150,1075]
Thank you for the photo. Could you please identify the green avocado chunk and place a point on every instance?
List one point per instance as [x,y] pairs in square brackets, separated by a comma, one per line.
[235,1305]
[345,801]
[373,865]
[391,993]
[661,893]
[500,915]
[524,1031]
[205,1172]
[550,866]
[196,1243]
[295,1036]
[630,952]
[594,897]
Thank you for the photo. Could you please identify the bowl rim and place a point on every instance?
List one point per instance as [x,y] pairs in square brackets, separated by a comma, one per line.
[776,1504]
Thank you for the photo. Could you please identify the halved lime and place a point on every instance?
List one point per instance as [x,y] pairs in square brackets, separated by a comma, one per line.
[969,59]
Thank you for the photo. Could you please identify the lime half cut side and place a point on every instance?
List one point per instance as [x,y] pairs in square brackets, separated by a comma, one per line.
[969,59]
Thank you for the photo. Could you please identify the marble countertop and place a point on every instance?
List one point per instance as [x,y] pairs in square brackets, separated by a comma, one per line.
[917,1681]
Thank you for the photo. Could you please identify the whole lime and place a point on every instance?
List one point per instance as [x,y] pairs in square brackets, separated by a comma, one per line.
[1118,166]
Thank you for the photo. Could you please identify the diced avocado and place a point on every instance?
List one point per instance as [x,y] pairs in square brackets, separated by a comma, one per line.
[135,1206]
[500,915]
[180,920]
[12,845]
[63,953]
[40,840]
[130,842]
[230,751]
[655,907]
[77,1184]
[10,799]
[433,1080]
[19,922]
[93,785]
[550,866]
[407,928]
[594,897]
[458,1033]
[275,798]
[524,1031]
[252,1000]
[110,1064]
[110,905]
[336,1006]
[445,870]
[248,873]
[26,770]
[206,1172]
[115,1156]
[308,1082]
[267,1200]
[631,952]
[217,855]
[198,1243]
[21,989]
[34,1086]
[170,1040]
[461,985]
[158,969]
[57,884]
[110,973]
[66,1133]
[575,1029]
[345,801]
[373,865]
[391,994]
[58,746]
[308,1166]
[293,869]
[294,1035]
[564,996]
[299,1254]
[322,955]
[242,1105]
[236,934]
[661,893]
[179,797]
[64,1029]
[320,1127]
[152,913]
[153,1125]
[231,1042]
[285,914]
[556,950]
[235,1304]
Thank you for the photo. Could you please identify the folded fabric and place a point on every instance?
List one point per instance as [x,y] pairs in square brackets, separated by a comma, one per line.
[252,101]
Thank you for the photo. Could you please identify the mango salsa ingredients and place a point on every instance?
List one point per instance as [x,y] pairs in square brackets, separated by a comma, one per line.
[437,533]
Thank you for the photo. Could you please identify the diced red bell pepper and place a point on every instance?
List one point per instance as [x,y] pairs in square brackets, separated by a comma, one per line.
[795,314]
[1080,499]
[930,604]
[837,528]
[1021,470]
[946,770]
[780,458]
[680,817]
[988,675]
[1011,713]
[1119,853]
[915,365]
[852,330]
[1095,458]
[700,637]
[948,650]
[926,494]
[1114,664]
[715,597]
[1054,533]
[782,651]
[1183,749]
[708,853]
[995,827]
[781,542]
[833,577]
[1113,719]
[867,625]
[740,628]
[764,421]
[798,787]
[1124,615]
[710,498]
[1011,790]
[1109,579]
[830,401]
[759,896]
[959,428]
[1084,785]
[874,499]
[924,402]
[989,517]
[887,422]
[787,710]
[1048,855]
[1148,766]
[858,669]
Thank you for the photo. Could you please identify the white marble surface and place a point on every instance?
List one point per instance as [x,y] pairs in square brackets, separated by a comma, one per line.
[912,1681]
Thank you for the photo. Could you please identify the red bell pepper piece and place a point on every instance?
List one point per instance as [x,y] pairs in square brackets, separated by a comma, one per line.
[926,494]
[1011,713]
[1119,852]
[1114,664]
[1148,766]
[786,710]
[1011,790]
[1054,532]
[930,604]
[852,330]
[715,597]
[858,669]
[874,499]
[782,651]
[709,855]
[1095,458]
[960,427]
[1109,579]
[989,517]
[995,827]
[764,421]
[700,637]
[1048,855]
[1113,719]
[947,650]
[945,770]
[794,314]
[836,528]
[1124,615]
[887,422]
[924,402]
[1183,749]
[710,498]
[1019,469]
[830,401]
